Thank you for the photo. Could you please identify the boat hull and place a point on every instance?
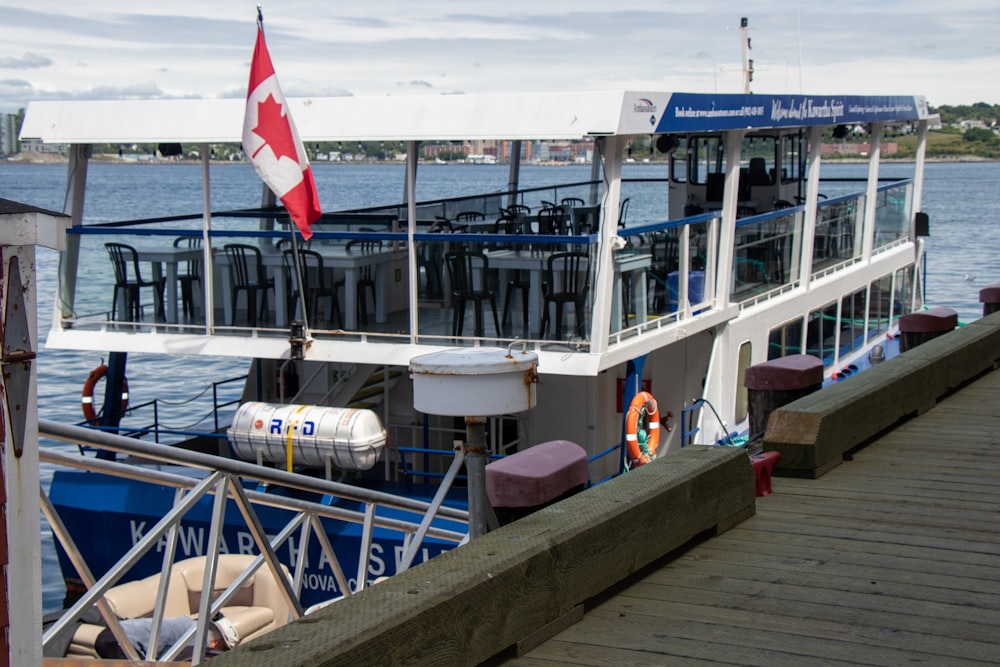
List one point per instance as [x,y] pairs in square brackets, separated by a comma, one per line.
[106,516]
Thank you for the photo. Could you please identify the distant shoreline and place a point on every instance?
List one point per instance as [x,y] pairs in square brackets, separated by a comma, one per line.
[51,158]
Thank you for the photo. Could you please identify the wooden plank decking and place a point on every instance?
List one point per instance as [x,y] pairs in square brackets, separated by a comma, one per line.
[891,558]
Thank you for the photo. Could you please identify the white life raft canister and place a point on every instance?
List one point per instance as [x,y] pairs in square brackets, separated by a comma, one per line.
[349,438]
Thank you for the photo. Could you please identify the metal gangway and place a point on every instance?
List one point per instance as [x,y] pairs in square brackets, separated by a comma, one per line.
[228,479]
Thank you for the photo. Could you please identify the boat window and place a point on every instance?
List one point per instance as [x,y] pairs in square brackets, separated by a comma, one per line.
[742,394]
[679,161]
[852,321]
[707,156]
[792,159]
[821,333]
[785,339]
[758,158]
[879,304]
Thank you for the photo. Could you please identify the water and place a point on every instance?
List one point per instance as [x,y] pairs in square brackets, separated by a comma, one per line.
[962,199]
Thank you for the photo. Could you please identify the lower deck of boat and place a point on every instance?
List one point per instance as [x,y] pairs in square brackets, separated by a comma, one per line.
[891,558]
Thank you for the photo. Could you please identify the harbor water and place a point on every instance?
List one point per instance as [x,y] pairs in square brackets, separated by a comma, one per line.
[961,198]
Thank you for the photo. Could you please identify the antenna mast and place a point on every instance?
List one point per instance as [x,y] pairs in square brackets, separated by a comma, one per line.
[747,61]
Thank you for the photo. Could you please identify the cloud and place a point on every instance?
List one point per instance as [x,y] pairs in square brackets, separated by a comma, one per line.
[190,48]
[28,61]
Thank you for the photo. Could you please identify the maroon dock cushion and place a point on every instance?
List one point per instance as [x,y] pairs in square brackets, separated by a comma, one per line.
[796,371]
[537,474]
[990,294]
[928,321]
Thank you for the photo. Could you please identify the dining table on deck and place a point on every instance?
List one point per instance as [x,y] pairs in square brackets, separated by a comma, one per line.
[535,262]
[169,257]
[335,256]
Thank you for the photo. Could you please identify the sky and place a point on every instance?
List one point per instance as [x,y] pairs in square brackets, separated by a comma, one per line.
[111,49]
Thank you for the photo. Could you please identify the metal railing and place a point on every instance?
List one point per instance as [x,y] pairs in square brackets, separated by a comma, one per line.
[226,479]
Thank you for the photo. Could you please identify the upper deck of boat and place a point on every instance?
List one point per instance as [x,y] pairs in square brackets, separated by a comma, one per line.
[889,559]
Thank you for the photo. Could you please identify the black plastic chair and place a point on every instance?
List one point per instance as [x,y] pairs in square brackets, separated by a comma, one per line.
[552,221]
[570,202]
[516,210]
[314,287]
[469,273]
[129,280]
[246,269]
[430,257]
[518,280]
[470,216]
[565,283]
[366,276]
[190,275]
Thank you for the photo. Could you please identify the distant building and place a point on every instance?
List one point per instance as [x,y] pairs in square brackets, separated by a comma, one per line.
[8,134]
[888,148]
[36,146]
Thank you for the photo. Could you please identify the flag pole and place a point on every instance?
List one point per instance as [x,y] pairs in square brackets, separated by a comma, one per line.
[298,274]
[291,227]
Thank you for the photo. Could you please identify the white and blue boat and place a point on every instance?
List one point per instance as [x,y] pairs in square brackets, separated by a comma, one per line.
[739,252]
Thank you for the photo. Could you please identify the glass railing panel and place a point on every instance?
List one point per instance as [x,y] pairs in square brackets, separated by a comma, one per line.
[838,232]
[506,277]
[765,253]
[137,277]
[661,243]
[356,281]
[892,214]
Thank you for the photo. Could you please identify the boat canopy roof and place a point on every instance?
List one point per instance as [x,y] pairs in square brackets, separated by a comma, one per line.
[527,116]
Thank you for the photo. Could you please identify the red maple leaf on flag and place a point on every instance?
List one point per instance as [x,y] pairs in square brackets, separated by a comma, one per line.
[273,128]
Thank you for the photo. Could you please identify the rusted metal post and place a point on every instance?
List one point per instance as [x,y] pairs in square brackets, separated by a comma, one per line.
[22,227]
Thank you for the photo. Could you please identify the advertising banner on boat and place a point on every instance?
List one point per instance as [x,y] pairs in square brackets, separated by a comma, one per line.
[692,112]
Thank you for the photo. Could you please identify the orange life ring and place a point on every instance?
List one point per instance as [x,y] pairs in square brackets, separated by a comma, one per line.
[87,395]
[644,451]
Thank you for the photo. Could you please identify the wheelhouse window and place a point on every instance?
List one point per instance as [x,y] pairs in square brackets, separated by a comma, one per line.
[792,160]
[708,158]
[785,340]
[758,158]
[679,161]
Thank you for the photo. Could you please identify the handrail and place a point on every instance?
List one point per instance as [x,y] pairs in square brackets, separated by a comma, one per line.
[172,455]
[226,481]
[157,429]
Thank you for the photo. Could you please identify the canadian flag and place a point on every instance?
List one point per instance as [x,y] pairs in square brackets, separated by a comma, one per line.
[272,143]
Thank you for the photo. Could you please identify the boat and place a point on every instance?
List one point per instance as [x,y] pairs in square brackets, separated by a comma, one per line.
[674,287]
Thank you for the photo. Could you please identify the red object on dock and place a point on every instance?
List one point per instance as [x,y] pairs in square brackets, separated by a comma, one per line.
[763,466]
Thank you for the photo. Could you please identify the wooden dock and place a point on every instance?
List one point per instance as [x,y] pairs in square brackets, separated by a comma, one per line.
[879,546]
[891,558]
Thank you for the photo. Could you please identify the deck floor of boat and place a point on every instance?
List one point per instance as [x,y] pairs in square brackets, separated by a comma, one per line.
[889,559]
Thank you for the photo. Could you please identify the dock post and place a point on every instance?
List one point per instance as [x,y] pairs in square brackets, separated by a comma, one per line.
[989,296]
[776,383]
[922,326]
[22,227]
